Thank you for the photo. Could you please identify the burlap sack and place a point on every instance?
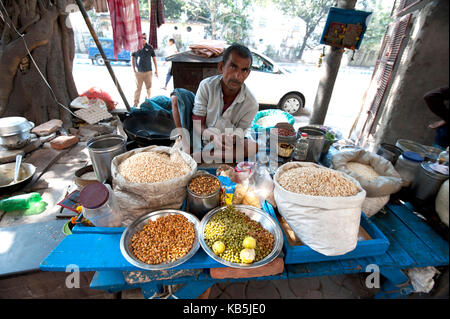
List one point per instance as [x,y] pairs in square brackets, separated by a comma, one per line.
[135,199]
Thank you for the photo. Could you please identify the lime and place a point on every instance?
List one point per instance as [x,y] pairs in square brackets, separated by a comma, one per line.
[218,247]
[249,242]
[247,255]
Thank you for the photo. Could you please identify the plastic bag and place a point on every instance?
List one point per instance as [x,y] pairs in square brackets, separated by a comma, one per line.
[96,93]
[389,181]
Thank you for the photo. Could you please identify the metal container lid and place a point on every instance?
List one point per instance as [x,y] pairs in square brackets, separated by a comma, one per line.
[14,125]
[94,195]
[412,156]
[429,171]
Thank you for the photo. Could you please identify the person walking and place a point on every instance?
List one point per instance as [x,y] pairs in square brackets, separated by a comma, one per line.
[141,61]
[172,49]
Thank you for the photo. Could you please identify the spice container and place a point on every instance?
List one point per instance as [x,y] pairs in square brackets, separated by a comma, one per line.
[203,193]
[99,205]
[285,150]
[407,166]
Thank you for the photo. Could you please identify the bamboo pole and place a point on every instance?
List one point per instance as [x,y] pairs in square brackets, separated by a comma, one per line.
[102,53]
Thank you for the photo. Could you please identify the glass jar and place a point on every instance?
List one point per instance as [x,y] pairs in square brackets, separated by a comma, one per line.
[99,205]
[407,166]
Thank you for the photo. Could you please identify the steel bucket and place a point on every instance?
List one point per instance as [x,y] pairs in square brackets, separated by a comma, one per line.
[316,138]
[102,150]
[427,182]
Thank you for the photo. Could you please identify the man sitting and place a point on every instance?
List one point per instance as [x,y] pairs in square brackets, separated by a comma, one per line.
[223,110]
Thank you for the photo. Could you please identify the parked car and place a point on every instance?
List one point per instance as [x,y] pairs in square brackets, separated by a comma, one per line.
[108,48]
[271,84]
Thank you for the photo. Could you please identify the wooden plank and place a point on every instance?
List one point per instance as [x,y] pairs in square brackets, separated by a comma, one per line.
[99,251]
[437,245]
[395,253]
[371,242]
[110,281]
[409,245]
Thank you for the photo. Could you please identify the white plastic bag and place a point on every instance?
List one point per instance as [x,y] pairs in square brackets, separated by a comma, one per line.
[135,199]
[328,225]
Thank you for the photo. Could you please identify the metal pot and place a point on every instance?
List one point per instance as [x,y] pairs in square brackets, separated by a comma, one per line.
[15,132]
[389,152]
[199,205]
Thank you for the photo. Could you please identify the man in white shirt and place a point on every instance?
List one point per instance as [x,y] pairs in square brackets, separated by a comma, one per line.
[224,108]
[171,50]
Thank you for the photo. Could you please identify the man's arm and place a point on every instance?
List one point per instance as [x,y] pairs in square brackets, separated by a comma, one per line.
[132,64]
[156,66]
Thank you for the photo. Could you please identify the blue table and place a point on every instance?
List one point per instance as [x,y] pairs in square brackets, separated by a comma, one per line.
[412,244]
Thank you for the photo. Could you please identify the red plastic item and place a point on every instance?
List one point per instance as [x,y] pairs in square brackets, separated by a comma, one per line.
[96,93]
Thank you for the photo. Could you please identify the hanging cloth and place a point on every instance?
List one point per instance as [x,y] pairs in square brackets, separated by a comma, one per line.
[100,6]
[156,20]
[126,25]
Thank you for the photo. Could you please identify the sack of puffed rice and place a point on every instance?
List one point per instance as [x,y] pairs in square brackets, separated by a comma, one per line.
[322,206]
[376,175]
[150,178]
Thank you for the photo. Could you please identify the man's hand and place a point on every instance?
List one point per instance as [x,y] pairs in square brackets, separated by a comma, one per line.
[437,124]
[156,73]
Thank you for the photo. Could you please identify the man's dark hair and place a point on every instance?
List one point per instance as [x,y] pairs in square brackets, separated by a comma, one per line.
[172,40]
[240,49]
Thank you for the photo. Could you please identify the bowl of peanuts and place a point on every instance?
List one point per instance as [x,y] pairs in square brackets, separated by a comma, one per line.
[161,239]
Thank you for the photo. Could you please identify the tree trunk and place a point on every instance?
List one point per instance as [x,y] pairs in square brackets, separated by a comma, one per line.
[23,92]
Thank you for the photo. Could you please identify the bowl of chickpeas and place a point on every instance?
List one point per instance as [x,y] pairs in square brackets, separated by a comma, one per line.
[161,240]
[240,236]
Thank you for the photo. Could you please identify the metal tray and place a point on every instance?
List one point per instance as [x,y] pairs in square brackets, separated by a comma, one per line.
[137,226]
[266,221]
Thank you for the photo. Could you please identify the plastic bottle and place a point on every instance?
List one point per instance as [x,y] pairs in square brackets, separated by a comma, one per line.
[20,202]
[301,148]
[443,157]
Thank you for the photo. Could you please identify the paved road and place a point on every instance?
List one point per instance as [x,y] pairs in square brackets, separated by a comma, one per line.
[345,104]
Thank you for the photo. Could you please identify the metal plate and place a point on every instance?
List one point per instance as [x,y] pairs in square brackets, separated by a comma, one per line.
[266,221]
[139,223]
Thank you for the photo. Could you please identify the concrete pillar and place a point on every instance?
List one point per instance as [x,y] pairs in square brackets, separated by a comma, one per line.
[331,66]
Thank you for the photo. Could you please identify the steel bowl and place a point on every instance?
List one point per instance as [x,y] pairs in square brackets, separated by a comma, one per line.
[139,223]
[256,214]
[26,174]
[199,205]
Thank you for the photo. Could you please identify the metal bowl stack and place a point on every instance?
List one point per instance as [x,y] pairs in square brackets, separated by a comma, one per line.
[256,214]
[139,223]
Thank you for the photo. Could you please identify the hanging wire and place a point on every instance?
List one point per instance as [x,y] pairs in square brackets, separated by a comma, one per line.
[21,35]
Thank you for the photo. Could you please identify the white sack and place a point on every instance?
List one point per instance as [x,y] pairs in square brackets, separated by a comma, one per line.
[328,225]
[389,181]
[135,199]
[422,278]
[373,205]
[441,203]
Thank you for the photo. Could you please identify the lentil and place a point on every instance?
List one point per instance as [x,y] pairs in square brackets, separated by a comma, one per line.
[284,132]
[317,182]
[165,239]
[231,226]
[204,184]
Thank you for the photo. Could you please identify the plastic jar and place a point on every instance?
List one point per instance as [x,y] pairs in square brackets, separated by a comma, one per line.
[407,166]
[99,205]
